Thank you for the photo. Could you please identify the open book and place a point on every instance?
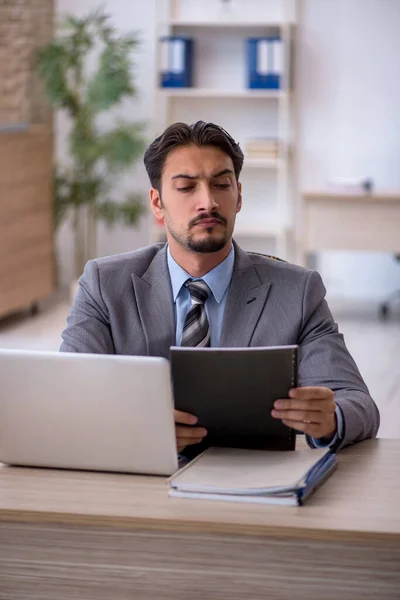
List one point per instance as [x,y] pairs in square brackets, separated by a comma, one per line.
[258,476]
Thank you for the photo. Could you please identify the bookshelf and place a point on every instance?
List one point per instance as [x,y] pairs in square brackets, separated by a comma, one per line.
[219,94]
[216,24]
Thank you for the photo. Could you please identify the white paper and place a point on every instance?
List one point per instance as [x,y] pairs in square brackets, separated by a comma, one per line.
[280,500]
[178,56]
[262,57]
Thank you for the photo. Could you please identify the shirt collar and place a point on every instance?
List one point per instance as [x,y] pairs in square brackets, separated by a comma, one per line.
[217,279]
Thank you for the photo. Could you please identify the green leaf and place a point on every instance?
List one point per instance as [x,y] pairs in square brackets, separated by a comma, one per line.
[90,190]
[132,209]
[129,41]
[62,198]
[84,145]
[128,212]
[112,81]
[121,146]
[71,22]
[52,63]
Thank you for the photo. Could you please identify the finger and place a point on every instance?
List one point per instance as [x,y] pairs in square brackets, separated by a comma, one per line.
[190,432]
[183,442]
[309,428]
[325,405]
[184,418]
[308,416]
[315,430]
[311,393]
[187,441]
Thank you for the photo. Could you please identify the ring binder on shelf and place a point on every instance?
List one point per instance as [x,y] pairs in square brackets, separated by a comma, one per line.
[265,62]
[176,61]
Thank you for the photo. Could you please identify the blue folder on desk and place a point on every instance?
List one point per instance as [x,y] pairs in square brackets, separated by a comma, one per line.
[254,476]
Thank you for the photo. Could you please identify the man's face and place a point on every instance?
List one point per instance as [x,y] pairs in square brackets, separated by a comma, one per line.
[199,198]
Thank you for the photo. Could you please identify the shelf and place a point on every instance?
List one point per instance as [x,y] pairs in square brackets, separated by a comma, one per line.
[273,231]
[348,196]
[228,24]
[250,162]
[220,93]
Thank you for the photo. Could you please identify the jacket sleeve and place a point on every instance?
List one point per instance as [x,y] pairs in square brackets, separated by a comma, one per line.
[325,361]
[88,327]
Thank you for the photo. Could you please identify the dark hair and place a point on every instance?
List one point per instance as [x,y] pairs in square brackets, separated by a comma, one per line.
[197,134]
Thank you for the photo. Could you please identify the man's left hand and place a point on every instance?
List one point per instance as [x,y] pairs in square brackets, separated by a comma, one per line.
[309,409]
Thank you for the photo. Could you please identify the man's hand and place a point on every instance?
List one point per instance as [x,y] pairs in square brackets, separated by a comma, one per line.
[310,409]
[185,435]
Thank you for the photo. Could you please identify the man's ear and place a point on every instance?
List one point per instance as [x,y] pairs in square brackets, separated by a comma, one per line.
[239,200]
[156,205]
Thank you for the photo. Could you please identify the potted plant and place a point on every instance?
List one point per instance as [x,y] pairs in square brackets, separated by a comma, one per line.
[83,187]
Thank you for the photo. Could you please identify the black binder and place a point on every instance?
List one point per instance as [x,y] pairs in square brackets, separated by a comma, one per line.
[232,391]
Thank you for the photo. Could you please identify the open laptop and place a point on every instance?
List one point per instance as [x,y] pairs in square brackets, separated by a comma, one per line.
[87,411]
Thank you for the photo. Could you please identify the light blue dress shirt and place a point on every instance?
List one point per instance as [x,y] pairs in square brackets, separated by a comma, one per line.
[218,280]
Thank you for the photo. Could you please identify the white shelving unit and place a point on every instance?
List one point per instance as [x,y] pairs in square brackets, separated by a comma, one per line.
[220,95]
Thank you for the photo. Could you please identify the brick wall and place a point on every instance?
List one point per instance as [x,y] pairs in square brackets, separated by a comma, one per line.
[25,25]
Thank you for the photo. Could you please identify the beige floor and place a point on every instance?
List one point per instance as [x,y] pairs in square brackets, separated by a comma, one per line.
[375,346]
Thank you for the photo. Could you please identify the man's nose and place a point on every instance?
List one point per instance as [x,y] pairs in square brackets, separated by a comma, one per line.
[206,201]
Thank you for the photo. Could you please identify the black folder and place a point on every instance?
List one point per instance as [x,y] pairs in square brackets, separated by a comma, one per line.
[232,391]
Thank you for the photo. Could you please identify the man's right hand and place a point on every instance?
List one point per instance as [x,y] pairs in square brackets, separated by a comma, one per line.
[186,435]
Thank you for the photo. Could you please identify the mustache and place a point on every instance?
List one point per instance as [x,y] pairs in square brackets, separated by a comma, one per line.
[203,216]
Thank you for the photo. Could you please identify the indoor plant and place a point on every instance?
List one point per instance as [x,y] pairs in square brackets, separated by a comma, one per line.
[86,71]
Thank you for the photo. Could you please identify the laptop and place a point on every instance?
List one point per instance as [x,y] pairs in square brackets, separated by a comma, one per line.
[87,411]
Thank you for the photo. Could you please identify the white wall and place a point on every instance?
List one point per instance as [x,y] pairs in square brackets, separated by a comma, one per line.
[349,116]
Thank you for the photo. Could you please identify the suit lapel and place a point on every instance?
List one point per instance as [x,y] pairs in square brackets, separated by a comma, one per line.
[155,305]
[246,300]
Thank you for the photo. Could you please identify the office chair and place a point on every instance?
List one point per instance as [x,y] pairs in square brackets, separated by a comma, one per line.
[393,298]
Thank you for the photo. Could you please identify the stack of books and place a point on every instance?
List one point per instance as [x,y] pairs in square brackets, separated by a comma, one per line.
[262,148]
[256,476]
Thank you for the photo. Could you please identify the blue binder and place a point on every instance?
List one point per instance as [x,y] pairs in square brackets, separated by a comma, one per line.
[176,61]
[265,62]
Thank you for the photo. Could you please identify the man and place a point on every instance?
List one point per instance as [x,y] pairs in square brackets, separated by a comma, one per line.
[201,289]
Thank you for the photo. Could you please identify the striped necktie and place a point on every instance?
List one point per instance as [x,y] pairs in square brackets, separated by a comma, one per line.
[196,329]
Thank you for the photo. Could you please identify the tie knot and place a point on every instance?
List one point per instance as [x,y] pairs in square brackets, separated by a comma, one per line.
[199,290]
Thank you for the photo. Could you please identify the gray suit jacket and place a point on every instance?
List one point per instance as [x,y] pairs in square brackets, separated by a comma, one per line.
[124,305]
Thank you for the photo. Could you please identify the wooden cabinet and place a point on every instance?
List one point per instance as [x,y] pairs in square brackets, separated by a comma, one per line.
[26,228]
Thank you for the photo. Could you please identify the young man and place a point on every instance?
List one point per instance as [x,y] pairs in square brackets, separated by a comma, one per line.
[201,289]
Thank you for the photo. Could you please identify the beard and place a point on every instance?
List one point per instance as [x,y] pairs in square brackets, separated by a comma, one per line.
[207,245]
[214,242]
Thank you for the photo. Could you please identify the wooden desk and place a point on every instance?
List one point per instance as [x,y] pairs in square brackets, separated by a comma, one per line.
[70,535]
[335,221]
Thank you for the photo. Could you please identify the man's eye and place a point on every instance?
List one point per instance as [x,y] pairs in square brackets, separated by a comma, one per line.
[223,186]
[185,189]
